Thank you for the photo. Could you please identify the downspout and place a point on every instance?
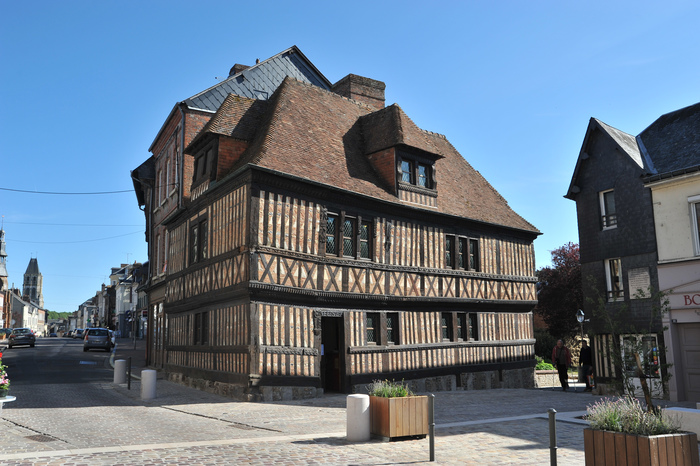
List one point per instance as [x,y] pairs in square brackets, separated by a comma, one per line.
[179,166]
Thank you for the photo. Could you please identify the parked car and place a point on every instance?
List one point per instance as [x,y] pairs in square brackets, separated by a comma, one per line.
[78,333]
[97,338]
[52,334]
[21,336]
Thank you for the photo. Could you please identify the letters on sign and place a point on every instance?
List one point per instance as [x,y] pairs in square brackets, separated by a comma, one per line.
[692,300]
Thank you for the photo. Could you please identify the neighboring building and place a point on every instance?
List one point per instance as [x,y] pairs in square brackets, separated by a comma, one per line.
[89,315]
[26,313]
[321,241]
[33,283]
[635,199]
[126,297]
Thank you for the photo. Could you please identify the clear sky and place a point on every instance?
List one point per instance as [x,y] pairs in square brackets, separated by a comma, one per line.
[86,85]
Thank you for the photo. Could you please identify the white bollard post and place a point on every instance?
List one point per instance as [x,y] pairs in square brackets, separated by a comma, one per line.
[120,371]
[148,384]
[358,427]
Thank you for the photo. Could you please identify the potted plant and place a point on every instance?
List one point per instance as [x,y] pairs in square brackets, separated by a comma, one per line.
[4,380]
[395,411]
[622,432]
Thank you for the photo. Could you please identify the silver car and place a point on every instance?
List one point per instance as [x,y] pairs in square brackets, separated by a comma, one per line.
[97,338]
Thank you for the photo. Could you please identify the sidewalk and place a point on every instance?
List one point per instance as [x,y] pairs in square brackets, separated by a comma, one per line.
[126,348]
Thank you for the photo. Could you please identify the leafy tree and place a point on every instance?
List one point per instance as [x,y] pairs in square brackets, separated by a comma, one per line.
[633,360]
[559,294]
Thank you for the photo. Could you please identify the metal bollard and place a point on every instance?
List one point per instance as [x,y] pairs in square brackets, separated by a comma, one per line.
[128,380]
[431,425]
[552,436]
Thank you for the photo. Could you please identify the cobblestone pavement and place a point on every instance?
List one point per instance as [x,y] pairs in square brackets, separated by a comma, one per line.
[109,424]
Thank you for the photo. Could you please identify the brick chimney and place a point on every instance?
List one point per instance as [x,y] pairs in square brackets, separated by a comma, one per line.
[365,90]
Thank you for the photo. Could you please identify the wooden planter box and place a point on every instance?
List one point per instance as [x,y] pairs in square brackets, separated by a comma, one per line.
[398,417]
[614,448]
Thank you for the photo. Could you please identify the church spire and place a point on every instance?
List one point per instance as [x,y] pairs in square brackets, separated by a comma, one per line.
[3,262]
[33,283]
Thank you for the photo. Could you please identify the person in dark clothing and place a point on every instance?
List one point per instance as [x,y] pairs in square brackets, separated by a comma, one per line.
[561,359]
[586,362]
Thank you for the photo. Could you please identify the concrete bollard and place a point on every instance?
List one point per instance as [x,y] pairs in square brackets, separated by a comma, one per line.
[120,371]
[358,418]
[148,384]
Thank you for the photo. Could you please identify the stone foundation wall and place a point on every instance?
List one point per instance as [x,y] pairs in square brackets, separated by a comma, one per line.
[516,378]
[241,393]
[544,379]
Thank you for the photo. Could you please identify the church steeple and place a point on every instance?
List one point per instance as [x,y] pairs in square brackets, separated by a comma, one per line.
[3,262]
[33,283]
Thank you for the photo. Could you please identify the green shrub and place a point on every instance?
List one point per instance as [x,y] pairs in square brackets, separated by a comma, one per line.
[543,366]
[626,415]
[387,389]
[544,343]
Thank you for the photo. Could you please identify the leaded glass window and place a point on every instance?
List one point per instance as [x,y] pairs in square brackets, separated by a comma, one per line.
[331,228]
[372,327]
[349,237]
[365,240]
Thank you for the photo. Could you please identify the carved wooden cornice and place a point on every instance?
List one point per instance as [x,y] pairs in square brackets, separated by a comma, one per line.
[433,346]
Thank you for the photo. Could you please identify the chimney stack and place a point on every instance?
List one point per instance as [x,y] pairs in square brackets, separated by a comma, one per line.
[365,90]
[237,68]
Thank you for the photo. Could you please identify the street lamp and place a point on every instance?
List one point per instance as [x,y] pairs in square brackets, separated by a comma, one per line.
[580,316]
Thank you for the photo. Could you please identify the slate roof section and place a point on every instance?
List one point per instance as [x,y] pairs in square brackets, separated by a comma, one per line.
[673,140]
[260,80]
[33,267]
[668,147]
[314,134]
[626,141]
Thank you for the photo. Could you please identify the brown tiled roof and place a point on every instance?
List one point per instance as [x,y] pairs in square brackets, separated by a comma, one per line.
[238,117]
[391,127]
[317,135]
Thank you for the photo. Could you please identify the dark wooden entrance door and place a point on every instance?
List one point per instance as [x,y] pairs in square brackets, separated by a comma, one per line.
[333,358]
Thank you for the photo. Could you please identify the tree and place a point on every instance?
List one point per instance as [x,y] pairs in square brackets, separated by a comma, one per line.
[633,359]
[559,294]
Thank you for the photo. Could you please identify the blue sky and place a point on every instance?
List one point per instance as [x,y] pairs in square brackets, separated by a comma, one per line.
[86,85]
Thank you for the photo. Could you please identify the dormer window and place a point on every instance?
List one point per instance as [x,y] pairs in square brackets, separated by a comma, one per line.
[416,171]
[204,164]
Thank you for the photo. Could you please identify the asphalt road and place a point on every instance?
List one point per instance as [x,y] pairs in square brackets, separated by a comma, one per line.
[55,361]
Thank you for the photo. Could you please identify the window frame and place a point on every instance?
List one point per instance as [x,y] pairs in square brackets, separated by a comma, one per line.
[376,328]
[392,331]
[447,326]
[200,228]
[340,240]
[410,166]
[201,328]
[459,255]
[203,167]
[694,205]
[608,220]
[613,294]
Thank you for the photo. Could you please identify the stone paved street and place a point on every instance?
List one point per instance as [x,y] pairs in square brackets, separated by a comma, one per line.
[108,424]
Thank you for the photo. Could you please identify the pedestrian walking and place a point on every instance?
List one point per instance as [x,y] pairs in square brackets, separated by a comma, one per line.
[586,362]
[561,359]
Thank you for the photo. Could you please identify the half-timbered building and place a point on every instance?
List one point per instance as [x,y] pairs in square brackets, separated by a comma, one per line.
[326,241]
